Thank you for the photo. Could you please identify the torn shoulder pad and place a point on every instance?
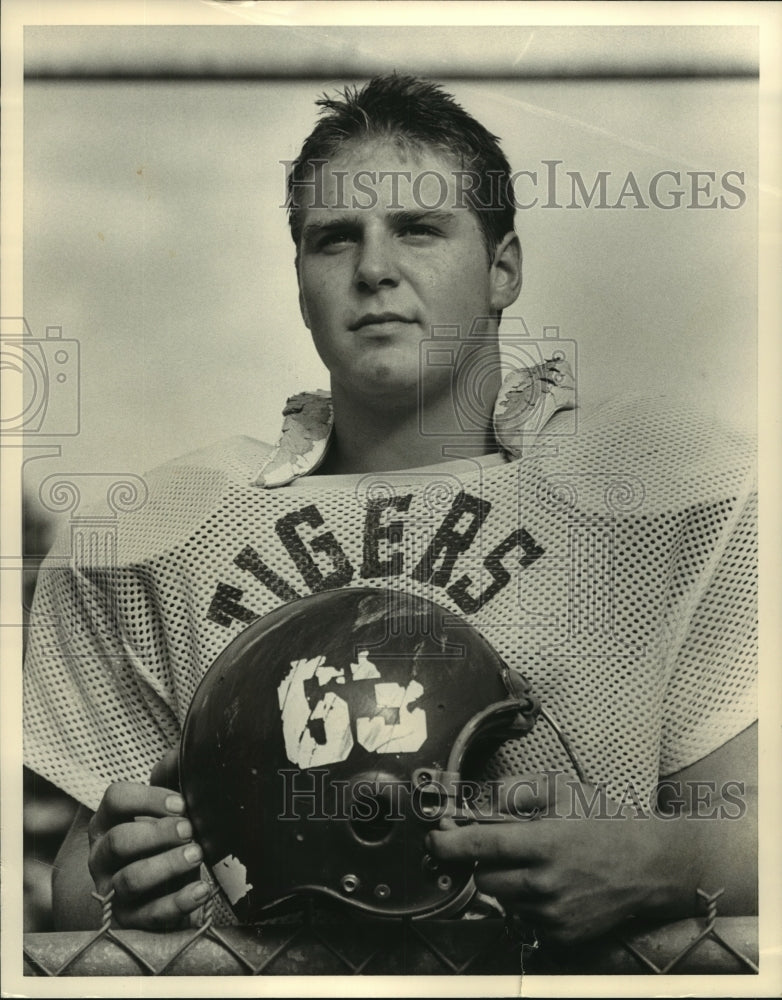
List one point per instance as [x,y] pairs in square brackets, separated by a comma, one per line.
[528,399]
[308,418]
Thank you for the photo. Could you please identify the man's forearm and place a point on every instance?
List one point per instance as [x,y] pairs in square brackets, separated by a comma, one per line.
[710,849]
[710,838]
[73,906]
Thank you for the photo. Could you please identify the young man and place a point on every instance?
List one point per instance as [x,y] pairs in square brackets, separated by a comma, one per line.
[616,574]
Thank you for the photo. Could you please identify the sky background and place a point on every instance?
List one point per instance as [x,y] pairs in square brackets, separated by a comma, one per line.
[154,233]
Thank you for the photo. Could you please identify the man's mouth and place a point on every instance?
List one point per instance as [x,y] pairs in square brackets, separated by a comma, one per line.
[379,319]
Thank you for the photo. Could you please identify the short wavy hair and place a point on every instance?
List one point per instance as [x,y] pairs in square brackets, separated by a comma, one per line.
[417,114]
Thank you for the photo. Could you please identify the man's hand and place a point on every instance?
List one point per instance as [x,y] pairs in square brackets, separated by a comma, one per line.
[578,863]
[559,861]
[140,844]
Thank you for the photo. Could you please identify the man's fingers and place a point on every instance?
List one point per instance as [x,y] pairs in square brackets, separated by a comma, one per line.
[520,795]
[129,842]
[517,884]
[514,795]
[125,800]
[165,913]
[496,843]
[157,874]
[536,795]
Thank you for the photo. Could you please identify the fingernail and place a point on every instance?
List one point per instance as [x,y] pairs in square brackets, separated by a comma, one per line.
[192,853]
[201,891]
[184,830]
[175,804]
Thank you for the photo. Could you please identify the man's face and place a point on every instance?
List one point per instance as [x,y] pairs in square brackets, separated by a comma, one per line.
[391,256]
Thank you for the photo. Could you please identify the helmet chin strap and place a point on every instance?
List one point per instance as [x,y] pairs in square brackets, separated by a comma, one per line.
[564,739]
[529,709]
[514,717]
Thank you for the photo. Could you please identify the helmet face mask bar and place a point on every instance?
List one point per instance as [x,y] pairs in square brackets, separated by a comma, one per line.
[328,739]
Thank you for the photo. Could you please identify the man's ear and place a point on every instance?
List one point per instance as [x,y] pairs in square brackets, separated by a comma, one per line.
[506,272]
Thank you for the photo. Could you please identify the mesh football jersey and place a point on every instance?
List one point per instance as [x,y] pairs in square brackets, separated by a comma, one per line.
[613,564]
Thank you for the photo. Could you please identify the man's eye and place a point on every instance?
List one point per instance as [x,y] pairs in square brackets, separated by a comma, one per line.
[335,240]
[418,229]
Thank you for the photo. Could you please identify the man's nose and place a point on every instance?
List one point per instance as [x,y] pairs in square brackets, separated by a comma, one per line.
[377,263]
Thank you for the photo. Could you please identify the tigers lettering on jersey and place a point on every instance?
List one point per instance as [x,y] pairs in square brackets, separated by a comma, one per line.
[382,530]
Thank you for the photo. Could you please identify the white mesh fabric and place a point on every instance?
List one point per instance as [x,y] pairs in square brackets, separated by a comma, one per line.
[625,592]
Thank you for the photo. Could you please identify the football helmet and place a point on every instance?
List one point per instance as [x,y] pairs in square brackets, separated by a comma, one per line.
[329,737]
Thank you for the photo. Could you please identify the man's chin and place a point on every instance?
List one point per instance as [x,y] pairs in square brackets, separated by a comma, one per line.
[385,382]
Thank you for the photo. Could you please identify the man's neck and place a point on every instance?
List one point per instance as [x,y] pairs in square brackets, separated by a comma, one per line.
[384,437]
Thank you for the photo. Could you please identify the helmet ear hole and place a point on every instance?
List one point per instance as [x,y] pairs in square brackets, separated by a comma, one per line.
[376,828]
[372,816]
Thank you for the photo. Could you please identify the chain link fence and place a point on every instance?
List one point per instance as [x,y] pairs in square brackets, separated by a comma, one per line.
[318,941]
